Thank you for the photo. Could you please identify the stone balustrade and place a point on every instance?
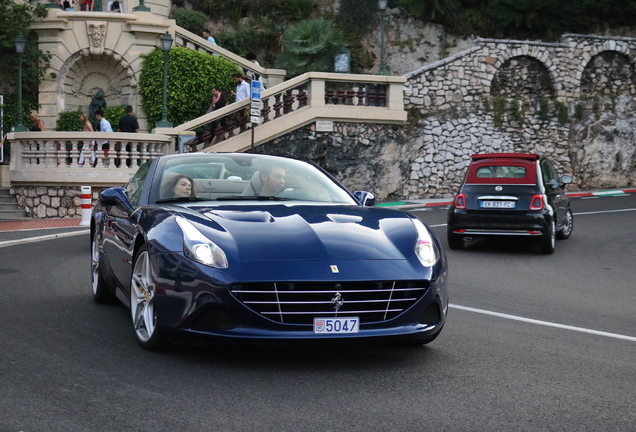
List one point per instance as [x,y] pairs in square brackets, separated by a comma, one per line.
[81,158]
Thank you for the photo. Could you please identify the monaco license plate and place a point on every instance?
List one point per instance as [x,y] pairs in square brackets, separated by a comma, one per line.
[336,325]
[498,204]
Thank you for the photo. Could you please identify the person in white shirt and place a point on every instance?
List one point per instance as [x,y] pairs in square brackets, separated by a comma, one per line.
[242,87]
[207,36]
[104,126]
[114,6]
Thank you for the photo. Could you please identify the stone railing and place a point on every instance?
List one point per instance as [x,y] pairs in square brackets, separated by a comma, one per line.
[186,39]
[81,158]
[297,102]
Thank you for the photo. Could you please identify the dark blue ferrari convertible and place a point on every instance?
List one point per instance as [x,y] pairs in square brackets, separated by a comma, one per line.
[212,247]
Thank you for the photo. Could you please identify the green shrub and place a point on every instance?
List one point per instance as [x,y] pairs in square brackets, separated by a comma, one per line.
[310,45]
[69,121]
[10,108]
[561,113]
[544,109]
[357,17]
[259,35]
[191,76]
[113,114]
[516,111]
[487,106]
[499,106]
[578,112]
[297,10]
[190,20]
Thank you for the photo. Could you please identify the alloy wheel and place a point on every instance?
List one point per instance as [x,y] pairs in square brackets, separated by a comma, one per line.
[142,294]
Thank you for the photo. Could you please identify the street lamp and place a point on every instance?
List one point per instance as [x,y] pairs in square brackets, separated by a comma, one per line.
[20,42]
[166,44]
[382,7]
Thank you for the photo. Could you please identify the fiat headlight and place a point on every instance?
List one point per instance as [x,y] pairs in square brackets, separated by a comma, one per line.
[198,247]
[424,247]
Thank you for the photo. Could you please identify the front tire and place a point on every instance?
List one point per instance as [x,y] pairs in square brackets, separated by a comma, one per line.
[568,225]
[142,303]
[548,240]
[101,293]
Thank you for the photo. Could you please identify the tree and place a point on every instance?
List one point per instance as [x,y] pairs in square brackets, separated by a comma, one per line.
[310,45]
[432,10]
[544,17]
[16,18]
[191,20]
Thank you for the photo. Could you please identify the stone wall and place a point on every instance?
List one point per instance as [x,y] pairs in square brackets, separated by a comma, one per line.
[50,202]
[573,101]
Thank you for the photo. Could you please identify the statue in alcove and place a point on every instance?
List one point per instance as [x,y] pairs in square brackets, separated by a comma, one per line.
[98,102]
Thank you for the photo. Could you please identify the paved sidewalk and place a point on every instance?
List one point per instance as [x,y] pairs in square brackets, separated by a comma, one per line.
[40,224]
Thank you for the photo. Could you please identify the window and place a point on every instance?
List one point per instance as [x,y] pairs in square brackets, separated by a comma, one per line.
[136,183]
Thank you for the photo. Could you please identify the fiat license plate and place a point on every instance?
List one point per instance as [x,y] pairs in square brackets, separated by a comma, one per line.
[336,325]
[498,204]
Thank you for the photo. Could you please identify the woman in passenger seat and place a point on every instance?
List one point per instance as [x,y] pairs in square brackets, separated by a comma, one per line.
[178,186]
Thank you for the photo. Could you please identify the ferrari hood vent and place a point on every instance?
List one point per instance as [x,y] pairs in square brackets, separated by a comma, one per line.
[241,216]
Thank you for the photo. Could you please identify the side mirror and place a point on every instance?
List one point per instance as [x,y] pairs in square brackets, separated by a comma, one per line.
[116,197]
[367,199]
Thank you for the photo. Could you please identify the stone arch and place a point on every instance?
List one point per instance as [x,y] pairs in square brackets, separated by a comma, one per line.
[608,72]
[522,77]
[83,74]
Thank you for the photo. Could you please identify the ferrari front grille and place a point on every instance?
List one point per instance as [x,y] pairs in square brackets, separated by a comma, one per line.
[300,302]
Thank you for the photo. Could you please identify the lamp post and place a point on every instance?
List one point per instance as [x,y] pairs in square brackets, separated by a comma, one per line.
[166,44]
[20,42]
[382,7]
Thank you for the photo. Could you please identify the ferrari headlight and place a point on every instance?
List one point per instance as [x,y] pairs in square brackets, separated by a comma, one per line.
[424,247]
[198,247]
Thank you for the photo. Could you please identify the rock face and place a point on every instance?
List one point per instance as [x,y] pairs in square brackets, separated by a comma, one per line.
[411,44]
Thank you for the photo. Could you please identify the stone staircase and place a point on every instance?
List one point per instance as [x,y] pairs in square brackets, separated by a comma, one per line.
[9,210]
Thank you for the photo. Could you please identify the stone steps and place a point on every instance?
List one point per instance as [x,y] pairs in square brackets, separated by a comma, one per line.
[9,210]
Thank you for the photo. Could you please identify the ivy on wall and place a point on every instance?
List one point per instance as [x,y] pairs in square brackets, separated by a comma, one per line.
[191,76]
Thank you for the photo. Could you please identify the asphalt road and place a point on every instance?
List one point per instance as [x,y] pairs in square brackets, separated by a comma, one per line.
[560,356]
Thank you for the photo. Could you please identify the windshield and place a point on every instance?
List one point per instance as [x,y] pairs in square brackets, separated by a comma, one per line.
[225,177]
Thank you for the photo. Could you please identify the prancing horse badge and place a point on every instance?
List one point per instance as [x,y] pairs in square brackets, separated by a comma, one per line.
[334,269]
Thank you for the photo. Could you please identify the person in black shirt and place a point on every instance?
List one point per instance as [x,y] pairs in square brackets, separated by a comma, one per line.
[128,123]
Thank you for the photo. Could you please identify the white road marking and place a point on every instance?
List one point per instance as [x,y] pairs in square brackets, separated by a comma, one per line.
[605,211]
[545,323]
[41,238]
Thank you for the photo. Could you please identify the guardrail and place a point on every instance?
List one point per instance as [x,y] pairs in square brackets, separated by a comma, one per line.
[80,158]
[297,102]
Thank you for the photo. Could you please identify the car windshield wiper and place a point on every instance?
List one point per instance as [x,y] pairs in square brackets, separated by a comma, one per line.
[250,198]
[181,199]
